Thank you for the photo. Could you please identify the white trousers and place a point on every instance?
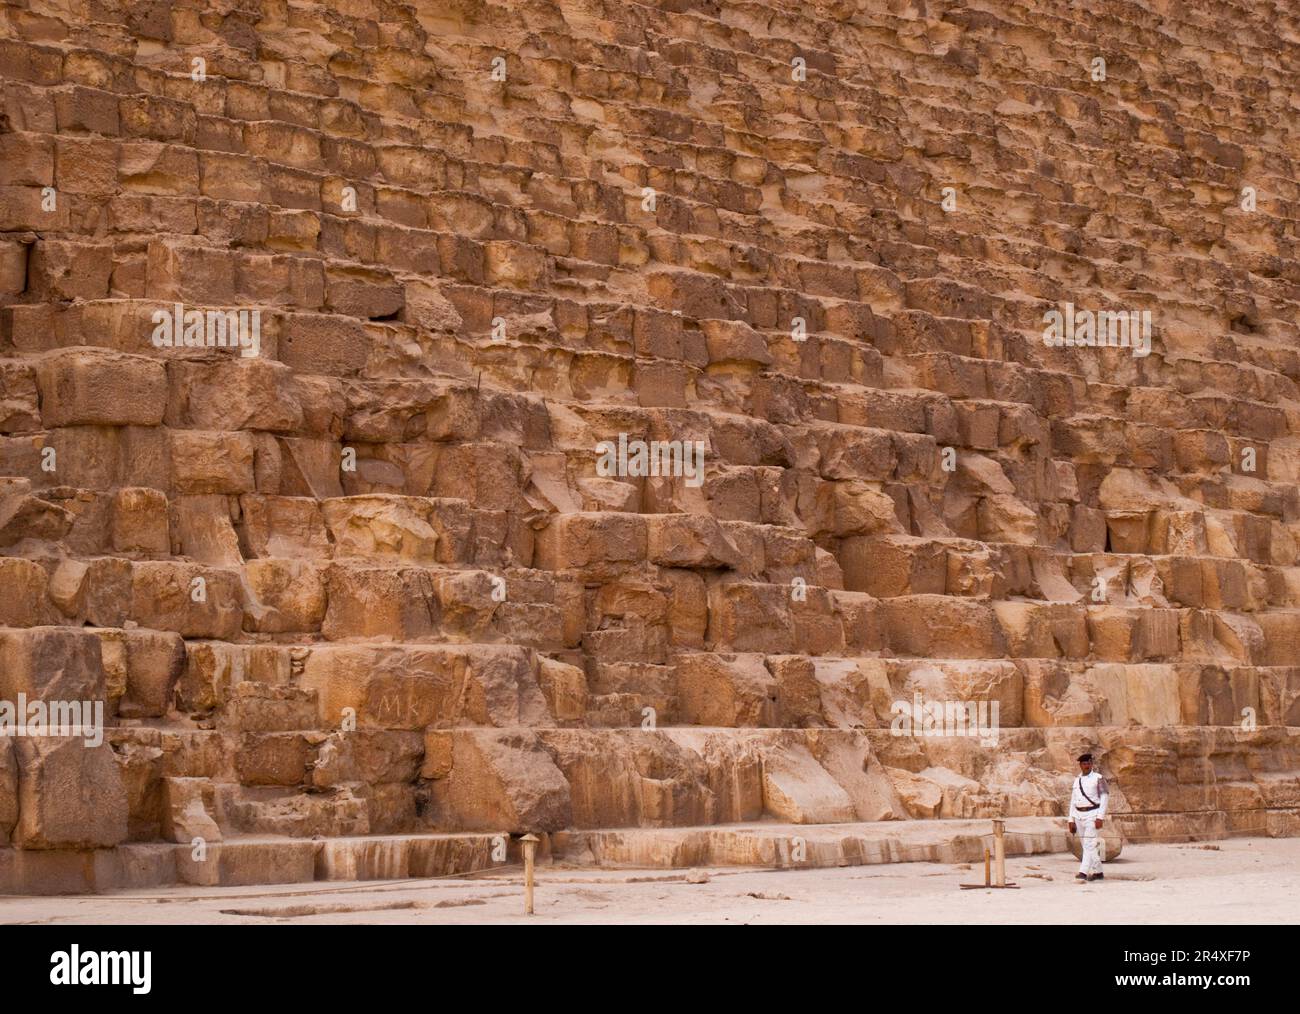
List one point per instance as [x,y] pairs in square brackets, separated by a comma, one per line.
[1091,840]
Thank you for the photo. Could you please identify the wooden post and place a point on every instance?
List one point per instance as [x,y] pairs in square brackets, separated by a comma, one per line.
[530,853]
[995,863]
[999,854]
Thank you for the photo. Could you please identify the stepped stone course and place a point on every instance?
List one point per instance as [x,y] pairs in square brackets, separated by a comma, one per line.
[423,424]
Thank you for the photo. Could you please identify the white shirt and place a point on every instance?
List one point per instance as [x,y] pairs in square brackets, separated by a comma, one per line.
[1095,786]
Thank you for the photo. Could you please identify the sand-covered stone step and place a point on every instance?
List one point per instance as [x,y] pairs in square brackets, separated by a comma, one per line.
[253,860]
[809,846]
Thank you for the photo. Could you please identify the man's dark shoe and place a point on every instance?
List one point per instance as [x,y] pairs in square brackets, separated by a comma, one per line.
[1098,876]
[1081,876]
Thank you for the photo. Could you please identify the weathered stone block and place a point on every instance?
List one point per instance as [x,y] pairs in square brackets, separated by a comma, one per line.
[70,794]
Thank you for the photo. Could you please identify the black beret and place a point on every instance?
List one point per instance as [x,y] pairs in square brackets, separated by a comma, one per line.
[1085,757]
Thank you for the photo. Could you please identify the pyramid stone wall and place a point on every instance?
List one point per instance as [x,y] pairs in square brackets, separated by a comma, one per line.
[634,409]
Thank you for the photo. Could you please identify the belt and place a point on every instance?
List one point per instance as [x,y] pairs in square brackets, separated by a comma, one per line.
[1086,809]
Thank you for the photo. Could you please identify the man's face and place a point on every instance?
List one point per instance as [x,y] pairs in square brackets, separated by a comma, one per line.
[1085,766]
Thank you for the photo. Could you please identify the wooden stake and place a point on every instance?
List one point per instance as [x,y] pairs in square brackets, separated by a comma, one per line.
[997,877]
[530,853]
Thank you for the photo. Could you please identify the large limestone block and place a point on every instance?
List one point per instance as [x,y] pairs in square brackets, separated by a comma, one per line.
[1136,694]
[379,602]
[187,805]
[283,526]
[591,540]
[25,516]
[60,269]
[205,532]
[212,461]
[308,468]
[734,341]
[213,669]
[98,387]
[894,565]
[382,527]
[959,795]
[276,758]
[286,595]
[726,690]
[921,797]
[1034,630]
[140,759]
[236,394]
[1281,637]
[1164,771]
[798,790]
[984,683]
[413,687]
[393,808]
[1004,518]
[102,457]
[1279,696]
[25,602]
[1054,695]
[1029,790]
[746,616]
[935,626]
[469,609]
[287,811]
[836,692]
[818,628]
[51,663]
[565,689]
[192,600]
[487,475]
[267,707]
[690,540]
[855,453]
[1129,531]
[798,694]
[141,668]
[636,778]
[494,780]
[70,795]
[139,522]
[372,756]
[862,509]
[734,776]
[1231,636]
[850,760]
[8,788]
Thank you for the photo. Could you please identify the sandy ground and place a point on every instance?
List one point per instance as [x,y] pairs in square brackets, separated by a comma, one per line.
[1248,880]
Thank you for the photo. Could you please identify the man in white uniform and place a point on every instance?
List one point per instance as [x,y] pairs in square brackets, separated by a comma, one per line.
[1088,799]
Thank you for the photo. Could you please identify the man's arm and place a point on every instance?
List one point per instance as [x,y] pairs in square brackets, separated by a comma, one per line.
[1104,798]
